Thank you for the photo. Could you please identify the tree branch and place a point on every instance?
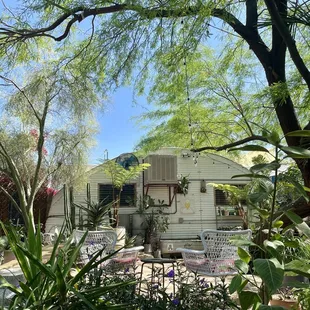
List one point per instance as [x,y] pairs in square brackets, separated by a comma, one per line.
[23,93]
[230,145]
[288,39]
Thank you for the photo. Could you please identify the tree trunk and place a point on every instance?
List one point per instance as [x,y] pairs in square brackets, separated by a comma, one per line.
[273,63]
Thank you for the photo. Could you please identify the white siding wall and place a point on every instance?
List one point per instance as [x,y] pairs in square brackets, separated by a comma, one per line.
[196,210]
[96,177]
[55,216]
[188,214]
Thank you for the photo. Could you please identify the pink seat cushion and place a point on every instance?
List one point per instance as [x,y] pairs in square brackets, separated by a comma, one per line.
[126,260]
[210,266]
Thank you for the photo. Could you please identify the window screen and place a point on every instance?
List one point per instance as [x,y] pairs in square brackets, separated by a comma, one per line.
[221,198]
[106,192]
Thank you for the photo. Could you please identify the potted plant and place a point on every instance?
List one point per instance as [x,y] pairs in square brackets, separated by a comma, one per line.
[183,183]
[97,214]
[153,221]
[285,298]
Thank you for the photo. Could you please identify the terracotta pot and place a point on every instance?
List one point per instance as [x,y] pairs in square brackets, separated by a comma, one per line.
[286,304]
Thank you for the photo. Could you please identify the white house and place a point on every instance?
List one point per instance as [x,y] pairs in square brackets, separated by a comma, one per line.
[189,214]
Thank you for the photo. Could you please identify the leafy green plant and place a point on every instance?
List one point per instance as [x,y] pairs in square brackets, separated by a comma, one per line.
[119,177]
[154,218]
[183,184]
[97,214]
[193,292]
[303,296]
[53,284]
[270,261]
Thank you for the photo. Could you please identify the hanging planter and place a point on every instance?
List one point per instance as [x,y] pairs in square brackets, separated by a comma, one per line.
[183,183]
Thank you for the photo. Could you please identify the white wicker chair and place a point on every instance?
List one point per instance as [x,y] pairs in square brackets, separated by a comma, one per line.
[219,254]
[94,242]
[106,239]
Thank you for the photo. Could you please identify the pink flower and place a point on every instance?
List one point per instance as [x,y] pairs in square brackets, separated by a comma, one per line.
[34,133]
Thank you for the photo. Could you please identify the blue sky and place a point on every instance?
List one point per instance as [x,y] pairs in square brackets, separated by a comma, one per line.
[118,132]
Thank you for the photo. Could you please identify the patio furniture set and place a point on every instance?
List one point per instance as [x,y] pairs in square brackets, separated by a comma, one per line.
[216,260]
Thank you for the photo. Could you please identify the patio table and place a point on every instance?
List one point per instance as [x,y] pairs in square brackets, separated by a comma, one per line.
[162,262]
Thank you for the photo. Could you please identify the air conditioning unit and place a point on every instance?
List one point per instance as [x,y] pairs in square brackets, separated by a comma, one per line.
[163,169]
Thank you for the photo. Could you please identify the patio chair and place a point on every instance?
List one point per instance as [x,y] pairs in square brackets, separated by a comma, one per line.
[218,256]
[94,242]
[106,239]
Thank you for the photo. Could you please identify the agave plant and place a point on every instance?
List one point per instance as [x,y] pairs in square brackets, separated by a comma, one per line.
[52,285]
[98,213]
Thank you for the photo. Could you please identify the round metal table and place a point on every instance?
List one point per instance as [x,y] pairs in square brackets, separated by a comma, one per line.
[154,274]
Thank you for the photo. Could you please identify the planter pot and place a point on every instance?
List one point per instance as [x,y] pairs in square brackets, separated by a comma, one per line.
[286,304]
[121,236]
[147,248]
[226,213]
[8,256]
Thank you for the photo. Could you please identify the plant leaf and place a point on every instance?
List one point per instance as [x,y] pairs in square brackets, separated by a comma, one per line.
[271,272]
[248,299]
[242,266]
[298,221]
[46,270]
[299,133]
[256,148]
[295,151]
[299,267]
[244,255]
[261,167]
[275,248]
[256,176]
[300,188]
[235,283]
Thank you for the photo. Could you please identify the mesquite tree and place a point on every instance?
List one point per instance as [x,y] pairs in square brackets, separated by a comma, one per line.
[126,37]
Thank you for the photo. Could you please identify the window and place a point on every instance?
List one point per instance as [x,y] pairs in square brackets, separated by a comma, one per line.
[221,197]
[106,192]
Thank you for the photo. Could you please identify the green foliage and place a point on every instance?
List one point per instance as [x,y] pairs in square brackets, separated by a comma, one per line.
[276,248]
[183,184]
[97,214]
[154,218]
[4,243]
[120,176]
[193,292]
[54,284]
